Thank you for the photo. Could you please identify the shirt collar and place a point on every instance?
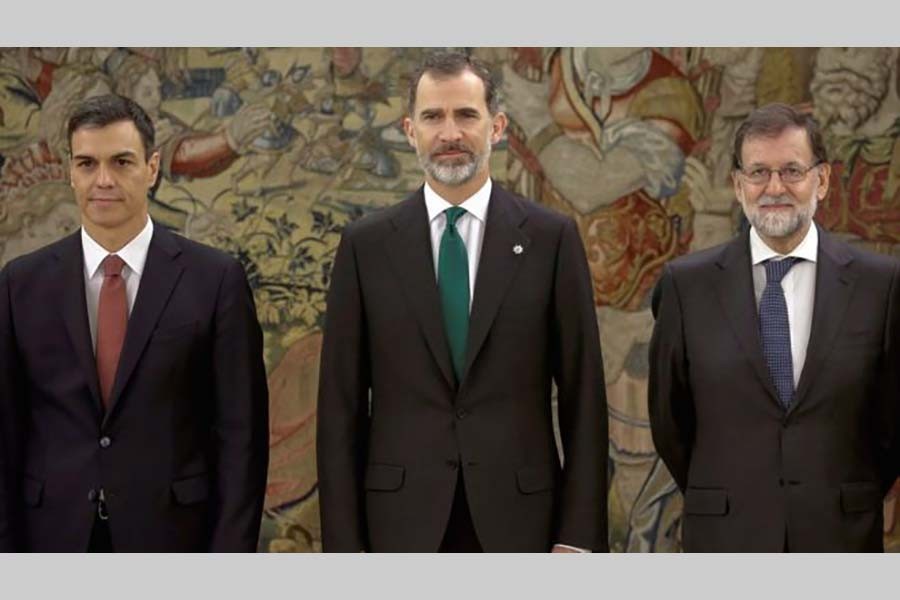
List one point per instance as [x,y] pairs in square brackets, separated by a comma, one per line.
[134,253]
[806,249]
[476,204]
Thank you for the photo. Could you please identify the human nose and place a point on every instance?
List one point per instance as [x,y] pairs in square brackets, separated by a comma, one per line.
[104,177]
[450,131]
[775,186]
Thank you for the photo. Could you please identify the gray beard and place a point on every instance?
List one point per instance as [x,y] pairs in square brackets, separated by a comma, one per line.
[777,225]
[454,174]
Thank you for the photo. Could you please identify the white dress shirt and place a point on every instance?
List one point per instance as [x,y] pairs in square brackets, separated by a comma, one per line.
[469,225]
[134,254]
[799,287]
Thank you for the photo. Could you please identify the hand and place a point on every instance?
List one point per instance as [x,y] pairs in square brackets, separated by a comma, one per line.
[249,123]
[894,492]
[560,549]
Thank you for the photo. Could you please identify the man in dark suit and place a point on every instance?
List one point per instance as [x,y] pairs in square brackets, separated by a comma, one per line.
[449,315]
[133,400]
[773,364]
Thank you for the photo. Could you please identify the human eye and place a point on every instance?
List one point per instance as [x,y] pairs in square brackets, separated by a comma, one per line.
[758,174]
[793,172]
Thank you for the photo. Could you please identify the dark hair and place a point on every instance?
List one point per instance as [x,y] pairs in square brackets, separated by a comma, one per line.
[101,111]
[770,121]
[442,65]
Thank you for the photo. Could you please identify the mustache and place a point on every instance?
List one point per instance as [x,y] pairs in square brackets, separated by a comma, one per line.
[773,200]
[452,147]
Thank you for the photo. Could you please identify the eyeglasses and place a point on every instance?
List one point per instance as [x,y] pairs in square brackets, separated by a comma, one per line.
[788,174]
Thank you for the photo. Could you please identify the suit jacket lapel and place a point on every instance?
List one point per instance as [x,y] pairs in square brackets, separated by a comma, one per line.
[735,292]
[497,266]
[412,259]
[161,273]
[834,286]
[74,311]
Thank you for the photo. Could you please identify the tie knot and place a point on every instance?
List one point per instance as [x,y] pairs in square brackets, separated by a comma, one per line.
[777,269]
[112,265]
[453,214]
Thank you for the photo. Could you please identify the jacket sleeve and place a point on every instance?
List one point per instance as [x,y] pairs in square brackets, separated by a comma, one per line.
[583,423]
[890,388]
[241,417]
[11,422]
[669,396]
[343,408]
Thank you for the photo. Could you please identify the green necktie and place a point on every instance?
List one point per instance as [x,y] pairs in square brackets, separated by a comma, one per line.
[453,284]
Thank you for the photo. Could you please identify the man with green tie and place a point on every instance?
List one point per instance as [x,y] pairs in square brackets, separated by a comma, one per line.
[450,316]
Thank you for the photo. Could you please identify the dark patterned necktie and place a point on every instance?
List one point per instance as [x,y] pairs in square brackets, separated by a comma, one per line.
[112,320]
[453,285]
[775,330]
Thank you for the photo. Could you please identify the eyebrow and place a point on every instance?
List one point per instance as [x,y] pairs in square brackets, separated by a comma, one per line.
[790,163]
[123,154]
[466,111]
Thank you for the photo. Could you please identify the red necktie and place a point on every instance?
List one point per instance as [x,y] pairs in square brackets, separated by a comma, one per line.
[112,319]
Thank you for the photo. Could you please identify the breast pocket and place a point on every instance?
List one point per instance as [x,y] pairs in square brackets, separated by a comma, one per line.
[858,334]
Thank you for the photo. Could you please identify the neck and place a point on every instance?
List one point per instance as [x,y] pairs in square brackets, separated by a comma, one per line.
[114,239]
[457,194]
[784,245]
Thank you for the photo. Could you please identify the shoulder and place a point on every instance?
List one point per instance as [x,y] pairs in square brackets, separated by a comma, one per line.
[696,263]
[206,266]
[529,208]
[537,221]
[380,221]
[864,262]
[35,263]
[193,252]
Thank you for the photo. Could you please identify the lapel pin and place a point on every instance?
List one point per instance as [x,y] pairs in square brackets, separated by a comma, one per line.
[517,249]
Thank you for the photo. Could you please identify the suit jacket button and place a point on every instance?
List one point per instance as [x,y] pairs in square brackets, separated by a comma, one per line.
[452,463]
[461,413]
[105,442]
[781,483]
[92,496]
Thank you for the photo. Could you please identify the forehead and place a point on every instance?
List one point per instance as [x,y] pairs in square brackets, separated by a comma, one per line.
[791,145]
[108,140]
[465,89]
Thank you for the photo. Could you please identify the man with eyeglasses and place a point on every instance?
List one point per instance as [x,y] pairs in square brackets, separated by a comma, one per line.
[774,362]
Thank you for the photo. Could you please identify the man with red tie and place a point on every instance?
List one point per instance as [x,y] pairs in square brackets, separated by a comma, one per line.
[133,399]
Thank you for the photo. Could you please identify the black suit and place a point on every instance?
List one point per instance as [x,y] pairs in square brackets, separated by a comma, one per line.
[387,475]
[757,477]
[182,452]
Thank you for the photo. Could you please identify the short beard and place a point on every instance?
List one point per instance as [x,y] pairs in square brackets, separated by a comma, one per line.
[454,175]
[778,225]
